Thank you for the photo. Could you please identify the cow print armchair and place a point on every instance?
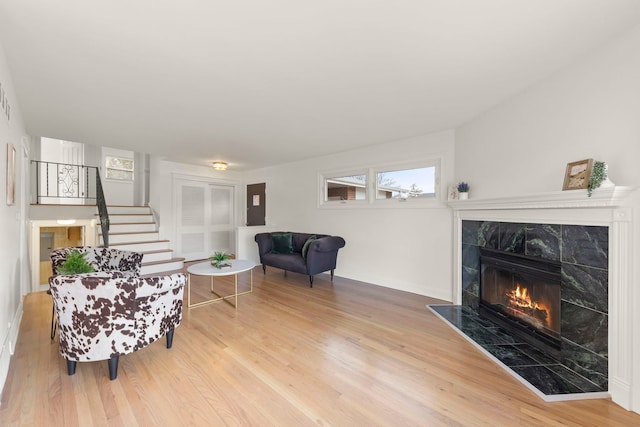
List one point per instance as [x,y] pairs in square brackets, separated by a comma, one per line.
[104,315]
[101,259]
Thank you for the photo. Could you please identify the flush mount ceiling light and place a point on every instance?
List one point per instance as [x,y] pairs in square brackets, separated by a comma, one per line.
[219,166]
[66,221]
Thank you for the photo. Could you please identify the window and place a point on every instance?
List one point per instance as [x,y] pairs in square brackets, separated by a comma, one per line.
[416,183]
[119,168]
[406,183]
[343,188]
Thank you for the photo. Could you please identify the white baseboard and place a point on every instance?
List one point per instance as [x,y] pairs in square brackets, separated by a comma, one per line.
[620,393]
[9,347]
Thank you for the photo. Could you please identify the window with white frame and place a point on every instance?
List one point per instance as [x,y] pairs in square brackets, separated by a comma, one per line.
[345,187]
[416,182]
[406,183]
[119,168]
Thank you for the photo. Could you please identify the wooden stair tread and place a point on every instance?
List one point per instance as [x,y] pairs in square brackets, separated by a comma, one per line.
[126,214]
[130,232]
[157,251]
[136,243]
[129,223]
[66,205]
[166,261]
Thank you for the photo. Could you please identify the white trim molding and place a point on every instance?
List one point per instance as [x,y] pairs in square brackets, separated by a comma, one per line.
[602,197]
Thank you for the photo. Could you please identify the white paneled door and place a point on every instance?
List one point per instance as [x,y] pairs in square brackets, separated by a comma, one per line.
[204,219]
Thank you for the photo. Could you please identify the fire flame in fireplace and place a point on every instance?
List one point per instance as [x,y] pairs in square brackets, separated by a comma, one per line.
[521,301]
[520,297]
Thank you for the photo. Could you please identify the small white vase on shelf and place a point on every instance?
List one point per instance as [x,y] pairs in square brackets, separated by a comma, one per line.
[607,182]
[463,195]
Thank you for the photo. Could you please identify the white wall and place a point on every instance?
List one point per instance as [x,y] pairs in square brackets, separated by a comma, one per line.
[588,110]
[13,257]
[401,248]
[141,179]
[116,192]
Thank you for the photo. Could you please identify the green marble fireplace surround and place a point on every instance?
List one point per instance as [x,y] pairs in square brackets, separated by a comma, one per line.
[590,238]
[583,255]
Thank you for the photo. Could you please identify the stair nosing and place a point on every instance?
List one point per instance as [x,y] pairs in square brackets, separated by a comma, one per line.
[141,242]
[129,223]
[158,251]
[129,232]
[167,261]
[126,214]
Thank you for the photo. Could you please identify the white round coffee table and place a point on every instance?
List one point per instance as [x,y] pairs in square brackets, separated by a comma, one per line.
[206,269]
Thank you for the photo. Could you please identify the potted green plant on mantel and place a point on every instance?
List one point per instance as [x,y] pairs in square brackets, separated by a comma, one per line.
[219,259]
[599,176]
[463,190]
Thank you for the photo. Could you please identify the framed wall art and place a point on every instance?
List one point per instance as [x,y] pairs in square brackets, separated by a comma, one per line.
[578,174]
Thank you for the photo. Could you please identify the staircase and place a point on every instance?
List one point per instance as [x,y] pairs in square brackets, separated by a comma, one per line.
[133,228]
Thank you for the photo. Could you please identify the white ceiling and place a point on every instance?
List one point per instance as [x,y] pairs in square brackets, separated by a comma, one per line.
[260,83]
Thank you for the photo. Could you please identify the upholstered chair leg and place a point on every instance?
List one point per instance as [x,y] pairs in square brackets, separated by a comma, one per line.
[332,275]
[264,269]
[113,367]
[71,367]
[170,338]
[54,322]
[311,281]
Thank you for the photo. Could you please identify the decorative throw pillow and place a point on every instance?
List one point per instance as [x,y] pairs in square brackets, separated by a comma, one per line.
[305,247]
[281,243]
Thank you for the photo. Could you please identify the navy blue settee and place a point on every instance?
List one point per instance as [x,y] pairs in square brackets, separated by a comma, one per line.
[302,253]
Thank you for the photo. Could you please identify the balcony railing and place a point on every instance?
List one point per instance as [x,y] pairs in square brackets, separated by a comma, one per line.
[61,183]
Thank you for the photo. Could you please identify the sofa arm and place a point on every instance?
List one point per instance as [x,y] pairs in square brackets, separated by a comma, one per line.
[109,259]
[264,243]
[57,257]
[161,284]
[159,307]
[327,244]
[101,259]
[323,254]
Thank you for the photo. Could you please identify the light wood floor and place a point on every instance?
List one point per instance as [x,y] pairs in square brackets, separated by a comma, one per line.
[347,354]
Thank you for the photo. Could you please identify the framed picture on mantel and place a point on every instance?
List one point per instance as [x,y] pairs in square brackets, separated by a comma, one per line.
[578,174]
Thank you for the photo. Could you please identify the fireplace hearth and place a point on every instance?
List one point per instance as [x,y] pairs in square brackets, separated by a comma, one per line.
[522,294]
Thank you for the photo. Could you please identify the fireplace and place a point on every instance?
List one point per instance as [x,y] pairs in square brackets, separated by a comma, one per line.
[593,239]
[522,294]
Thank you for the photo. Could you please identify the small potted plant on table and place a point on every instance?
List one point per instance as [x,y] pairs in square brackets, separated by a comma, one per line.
[219,259]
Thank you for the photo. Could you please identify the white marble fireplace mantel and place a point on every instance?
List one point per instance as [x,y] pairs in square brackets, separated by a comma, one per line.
[606,207]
